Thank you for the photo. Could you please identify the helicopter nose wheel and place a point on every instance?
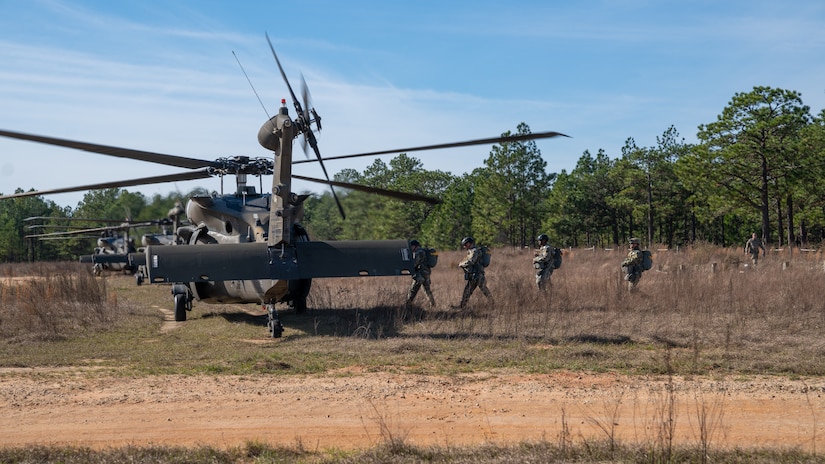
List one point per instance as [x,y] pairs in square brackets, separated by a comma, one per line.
[183,301]
[139,276]
[273,323]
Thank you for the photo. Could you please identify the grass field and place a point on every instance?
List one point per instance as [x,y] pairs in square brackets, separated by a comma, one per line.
[701,311]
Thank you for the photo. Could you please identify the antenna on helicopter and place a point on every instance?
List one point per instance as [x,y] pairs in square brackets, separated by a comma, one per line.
[250,84]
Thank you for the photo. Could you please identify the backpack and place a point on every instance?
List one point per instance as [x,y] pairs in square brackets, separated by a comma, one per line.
[647,260]
[431,256]
[556,258]
[485,256]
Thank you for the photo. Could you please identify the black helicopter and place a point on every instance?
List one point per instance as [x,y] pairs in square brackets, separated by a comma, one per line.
[114,242]
[257,251]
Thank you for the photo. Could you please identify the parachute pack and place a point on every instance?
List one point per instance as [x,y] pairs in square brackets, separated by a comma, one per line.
[556,258]
[431,255]
[647,260]
[485,256]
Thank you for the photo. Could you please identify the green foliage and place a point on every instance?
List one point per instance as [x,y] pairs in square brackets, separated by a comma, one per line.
[584,206]
[452,219]
[105,204]
[509,192]
[14,246]
[369,216]
[750,157]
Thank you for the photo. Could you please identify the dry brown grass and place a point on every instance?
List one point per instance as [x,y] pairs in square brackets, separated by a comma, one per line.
[51,301]
[705,305]
[700,310]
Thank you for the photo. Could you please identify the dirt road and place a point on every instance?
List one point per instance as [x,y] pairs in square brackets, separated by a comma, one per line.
[360,409]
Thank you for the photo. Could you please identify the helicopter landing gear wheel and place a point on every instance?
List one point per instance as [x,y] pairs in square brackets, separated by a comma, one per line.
[273,323]
[97,269]
[180,308]
[183,301]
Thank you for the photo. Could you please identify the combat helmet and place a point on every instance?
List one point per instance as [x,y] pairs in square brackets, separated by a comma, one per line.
[542,237]
[467,240]
[635,241]
[414,243]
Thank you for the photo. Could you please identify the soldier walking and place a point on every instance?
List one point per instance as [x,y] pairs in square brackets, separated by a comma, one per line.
[752,248]
[543,262]
[632,265]
[473,272]
[421,276]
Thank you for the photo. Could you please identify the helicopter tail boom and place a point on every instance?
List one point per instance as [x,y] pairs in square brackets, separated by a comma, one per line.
[257,261]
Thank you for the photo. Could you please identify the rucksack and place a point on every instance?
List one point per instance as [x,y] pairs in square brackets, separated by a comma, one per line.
[556,258]
[647,260]
[432,256]
[485,256]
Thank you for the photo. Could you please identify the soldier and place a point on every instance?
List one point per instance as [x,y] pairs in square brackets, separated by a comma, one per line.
[421,276]
[752,247]
[632,265]
[473,271]
[543,262]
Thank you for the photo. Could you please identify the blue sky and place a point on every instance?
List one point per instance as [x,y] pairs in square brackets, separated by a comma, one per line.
[161,76]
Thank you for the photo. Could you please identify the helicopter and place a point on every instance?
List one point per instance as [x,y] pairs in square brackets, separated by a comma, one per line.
[114,243]
[249,246]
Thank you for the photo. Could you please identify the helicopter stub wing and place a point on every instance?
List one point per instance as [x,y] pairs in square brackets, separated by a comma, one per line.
[105,258]
[257,261]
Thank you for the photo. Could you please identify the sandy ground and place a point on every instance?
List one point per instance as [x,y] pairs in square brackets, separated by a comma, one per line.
[359,409]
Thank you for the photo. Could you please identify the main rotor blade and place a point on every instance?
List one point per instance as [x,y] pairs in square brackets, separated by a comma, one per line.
[124,183]
[50,218]
[74,232]
[74,219]
[169,160]
[63,238]
[376,190]
[488,141]
[52,227]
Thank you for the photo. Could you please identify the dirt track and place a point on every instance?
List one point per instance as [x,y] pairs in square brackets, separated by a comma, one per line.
[356,409]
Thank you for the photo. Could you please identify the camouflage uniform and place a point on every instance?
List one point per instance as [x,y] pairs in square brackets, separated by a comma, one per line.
[543,262]
[632,265]
[421,277]
[752,247]
[473,274]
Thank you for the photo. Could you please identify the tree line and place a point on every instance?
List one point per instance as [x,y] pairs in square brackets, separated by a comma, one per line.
[757,168]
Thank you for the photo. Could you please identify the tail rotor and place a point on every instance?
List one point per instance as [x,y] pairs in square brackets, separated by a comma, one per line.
[303,122]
